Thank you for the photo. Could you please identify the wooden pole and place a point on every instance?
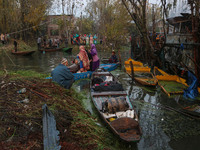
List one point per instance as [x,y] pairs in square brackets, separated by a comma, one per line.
[120,61]
[132,70]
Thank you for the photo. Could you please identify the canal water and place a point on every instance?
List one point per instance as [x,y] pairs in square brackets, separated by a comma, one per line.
[162,127]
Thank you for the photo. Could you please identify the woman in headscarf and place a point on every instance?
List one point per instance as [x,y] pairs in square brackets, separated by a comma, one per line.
[95,58]
[84,61]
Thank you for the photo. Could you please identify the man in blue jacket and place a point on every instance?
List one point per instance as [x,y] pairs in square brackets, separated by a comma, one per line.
[62,75]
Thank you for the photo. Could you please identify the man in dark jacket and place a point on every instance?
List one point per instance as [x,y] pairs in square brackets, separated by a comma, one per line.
[62,75]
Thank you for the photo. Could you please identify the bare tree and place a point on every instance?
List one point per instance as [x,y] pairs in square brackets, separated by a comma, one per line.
[137,10]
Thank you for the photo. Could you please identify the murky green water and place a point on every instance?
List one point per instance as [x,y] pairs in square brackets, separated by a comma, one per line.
[163,128]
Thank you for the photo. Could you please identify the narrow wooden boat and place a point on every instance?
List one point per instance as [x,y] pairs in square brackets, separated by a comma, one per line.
[109,67]
[135,63]
[22,53]
[50,49]
[67,50]
[114,107]
[142,74]
[83,75]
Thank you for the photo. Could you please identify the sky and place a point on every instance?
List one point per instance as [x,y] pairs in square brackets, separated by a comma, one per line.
[80,7]
[57,9]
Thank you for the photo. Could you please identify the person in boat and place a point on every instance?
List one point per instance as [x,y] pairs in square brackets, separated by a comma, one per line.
[75,66]
[95,58]
[113,58]
[15,45]
[44,43]
[57,42]
[62,75]
[84,60]
[90,58]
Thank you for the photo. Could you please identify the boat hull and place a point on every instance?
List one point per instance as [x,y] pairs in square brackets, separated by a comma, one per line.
[23,53]
[142,74]
[67,50]
[124,121]
[50,50]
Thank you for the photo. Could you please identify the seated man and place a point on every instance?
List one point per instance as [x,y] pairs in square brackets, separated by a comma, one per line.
[113,58]
[62,75]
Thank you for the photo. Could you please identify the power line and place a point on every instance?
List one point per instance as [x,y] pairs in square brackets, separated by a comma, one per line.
[32,27]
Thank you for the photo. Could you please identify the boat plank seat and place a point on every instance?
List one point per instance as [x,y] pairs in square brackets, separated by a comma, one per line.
[109,93]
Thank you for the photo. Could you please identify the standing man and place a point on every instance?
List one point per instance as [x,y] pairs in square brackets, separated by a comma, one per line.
[15,45]
[39,40]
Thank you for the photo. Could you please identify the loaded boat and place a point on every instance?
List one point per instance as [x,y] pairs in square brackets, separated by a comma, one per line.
[114,106]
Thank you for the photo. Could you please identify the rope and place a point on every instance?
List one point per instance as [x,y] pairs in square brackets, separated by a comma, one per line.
[170,109]
[31,27]
[9,57]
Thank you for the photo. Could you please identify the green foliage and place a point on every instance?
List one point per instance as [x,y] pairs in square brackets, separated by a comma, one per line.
[17,15]
[85,25]
[28,73]
[111,20]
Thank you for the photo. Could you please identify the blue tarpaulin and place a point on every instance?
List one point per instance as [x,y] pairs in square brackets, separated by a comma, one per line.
[50,133]
[191,91]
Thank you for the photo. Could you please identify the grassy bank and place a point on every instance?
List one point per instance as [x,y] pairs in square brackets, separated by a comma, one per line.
[21,125]
[22,46]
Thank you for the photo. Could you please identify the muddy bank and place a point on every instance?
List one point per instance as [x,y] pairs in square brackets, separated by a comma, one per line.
[21,115]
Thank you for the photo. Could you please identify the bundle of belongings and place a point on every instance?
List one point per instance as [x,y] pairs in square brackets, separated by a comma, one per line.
[100,85]
[114,105]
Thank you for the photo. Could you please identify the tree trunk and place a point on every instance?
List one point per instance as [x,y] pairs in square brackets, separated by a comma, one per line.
[142,27]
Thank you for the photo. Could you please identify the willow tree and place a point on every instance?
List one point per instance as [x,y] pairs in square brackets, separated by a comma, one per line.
[111,21]
[32,13]
[19,16]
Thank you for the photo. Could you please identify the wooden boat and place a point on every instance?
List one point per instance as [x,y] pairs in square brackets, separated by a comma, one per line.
[142,74]
[135,63]
[50,49]
[170,84]
[67,50]
[115,108]
[83,75]
[22,53]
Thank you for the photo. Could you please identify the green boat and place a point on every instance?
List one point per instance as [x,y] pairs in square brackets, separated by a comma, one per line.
[67,49]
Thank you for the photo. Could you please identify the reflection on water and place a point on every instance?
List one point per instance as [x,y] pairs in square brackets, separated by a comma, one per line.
[162,128]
